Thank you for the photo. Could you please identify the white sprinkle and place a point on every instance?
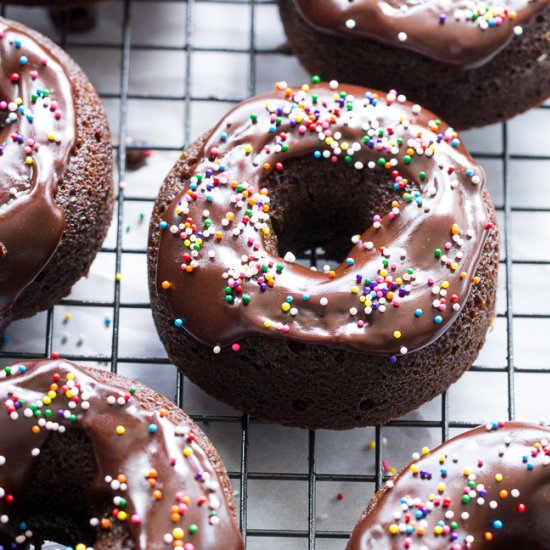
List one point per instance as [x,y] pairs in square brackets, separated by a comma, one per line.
[350,24]
[289,257]
[333,84]
[402,36]
[216,349]
[323,301]
[518,31]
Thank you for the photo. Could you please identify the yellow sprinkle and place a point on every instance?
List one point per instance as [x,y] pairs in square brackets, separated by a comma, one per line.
[118,277]
[29,160]
[394,529]
[414,469]
[397,334]
[466,472]
[425,451]
[372,444]
[285,306]
[80,547]
[52,394]
[67,316]
[441,487]
[178,533]
[187,451]
[354,289]
[248,149]
[441,459]
[438,529]
[70,376]
[46,401]
[122,515]
[120,430]
[499,477]
[51,137]
[267,324]
[19,101]
[445,284]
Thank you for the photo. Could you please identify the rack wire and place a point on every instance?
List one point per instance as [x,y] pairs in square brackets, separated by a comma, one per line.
[313,535]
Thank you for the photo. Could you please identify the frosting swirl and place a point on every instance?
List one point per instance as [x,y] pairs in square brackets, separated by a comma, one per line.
[406,277]
[37,134]
[467,33]
[158,479]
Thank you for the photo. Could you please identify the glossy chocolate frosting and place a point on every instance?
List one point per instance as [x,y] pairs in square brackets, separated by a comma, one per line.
[407,276]
[465,33]
[487,488]
[37,134]
[130,439]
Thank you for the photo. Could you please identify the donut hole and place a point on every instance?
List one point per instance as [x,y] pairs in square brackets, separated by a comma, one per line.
[320,204]
[57,504]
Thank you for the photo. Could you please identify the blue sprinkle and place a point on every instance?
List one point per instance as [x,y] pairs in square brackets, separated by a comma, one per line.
[418,313]
[455,142]
[178,323]
[17,43]
[152,428]
[350,261]
[223,136]
[305,297]
[317,154]
[23,60]
[438,319]
[163,224]
[497,524]
[289,299]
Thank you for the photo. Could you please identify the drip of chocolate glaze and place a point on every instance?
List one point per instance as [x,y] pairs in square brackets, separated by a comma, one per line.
[433,28]
[449,196]
[132,454]
[483,454]
[31,224]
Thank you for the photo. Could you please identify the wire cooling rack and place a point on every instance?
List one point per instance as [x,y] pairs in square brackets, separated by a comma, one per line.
[166,71]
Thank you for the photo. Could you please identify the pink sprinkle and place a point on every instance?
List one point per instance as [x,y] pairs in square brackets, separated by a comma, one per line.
[431,281]
[236,347]
[285,328]
[135,519]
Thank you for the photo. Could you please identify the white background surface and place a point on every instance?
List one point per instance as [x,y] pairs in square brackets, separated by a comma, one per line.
[155,70]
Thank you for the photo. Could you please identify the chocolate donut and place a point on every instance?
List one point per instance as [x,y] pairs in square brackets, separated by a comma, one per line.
[89,458]
[56,192]
[399,319]
[486,488]
[472,63]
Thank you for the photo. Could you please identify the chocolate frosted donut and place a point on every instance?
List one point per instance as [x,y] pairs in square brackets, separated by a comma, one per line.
[56,190]
[317,166]
[486,488]
[472,63]
[88,458]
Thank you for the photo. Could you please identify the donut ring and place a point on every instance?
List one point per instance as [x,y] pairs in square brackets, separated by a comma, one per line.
[213,258]
[92,456]
[485,488]
[55,146]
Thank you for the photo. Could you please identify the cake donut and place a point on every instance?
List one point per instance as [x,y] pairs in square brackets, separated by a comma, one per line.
[486,488]
[56,192]
[398,320]
[91,459]
[470,62]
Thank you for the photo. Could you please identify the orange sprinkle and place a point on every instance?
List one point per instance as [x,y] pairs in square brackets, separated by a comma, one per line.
[503,493]
[36,429]
[157,495]
[488,536]
[166,285]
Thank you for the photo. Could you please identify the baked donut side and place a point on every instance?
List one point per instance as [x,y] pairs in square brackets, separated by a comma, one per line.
[511,82]
[487,487]
[307,384]
[83,194]
[106,462]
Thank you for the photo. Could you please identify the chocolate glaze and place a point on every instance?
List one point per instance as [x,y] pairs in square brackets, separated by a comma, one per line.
[448,197]
[31,224]
[458,41]
[508,450]
[132,454]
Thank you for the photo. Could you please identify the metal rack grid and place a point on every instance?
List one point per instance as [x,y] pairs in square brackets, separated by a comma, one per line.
[243,475]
